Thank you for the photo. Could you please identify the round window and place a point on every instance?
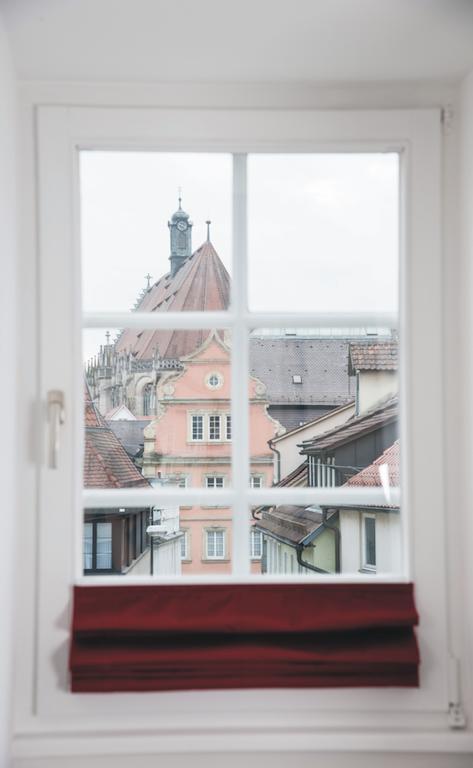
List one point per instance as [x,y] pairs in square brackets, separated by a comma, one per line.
[214,380]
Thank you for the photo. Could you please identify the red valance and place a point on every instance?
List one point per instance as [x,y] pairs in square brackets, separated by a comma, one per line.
[152,638]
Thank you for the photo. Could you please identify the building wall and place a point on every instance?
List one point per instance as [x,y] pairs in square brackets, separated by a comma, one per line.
[281,558]
[171,452]
[375,386]
[287,445]
[166,559]
[388,541]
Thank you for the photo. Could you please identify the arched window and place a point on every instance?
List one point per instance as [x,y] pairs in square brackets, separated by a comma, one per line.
[148,400]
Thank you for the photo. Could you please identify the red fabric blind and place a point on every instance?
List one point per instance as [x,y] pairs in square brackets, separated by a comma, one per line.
[152,638]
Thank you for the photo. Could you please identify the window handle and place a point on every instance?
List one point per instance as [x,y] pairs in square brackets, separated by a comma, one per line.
[56,417]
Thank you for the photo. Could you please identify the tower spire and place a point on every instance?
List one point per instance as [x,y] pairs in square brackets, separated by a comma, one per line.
[180,228]
[208,222]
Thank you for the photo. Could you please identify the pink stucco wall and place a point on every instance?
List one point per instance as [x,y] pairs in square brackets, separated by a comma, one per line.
[173,452]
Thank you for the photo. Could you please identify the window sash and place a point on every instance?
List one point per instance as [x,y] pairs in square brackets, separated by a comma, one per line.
[256,544]
[215,481]
[184,545]
[214,427]
[215,545]
[417,135]
[368,542]
[197,427]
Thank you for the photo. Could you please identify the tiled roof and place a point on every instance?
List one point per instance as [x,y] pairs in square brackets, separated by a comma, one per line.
[370,476]
[201,284]
[130,434]
[322,364]
[320,414]
[106,463]
[296,478]
[381,415]
[373,356]
[289,522]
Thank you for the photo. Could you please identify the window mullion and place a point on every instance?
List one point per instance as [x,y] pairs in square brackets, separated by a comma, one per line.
[240,373]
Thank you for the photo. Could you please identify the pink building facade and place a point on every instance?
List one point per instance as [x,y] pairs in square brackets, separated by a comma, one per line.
[189,444]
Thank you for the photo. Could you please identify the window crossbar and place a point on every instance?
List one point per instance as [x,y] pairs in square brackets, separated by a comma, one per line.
[330,496]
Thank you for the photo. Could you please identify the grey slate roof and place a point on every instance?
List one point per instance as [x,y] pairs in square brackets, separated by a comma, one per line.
[322,364]
[292,416]
[130,434]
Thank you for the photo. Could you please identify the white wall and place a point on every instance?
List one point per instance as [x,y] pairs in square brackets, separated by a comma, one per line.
[458,501]
[8,351]
[460,418]
[388,541]
[375,386]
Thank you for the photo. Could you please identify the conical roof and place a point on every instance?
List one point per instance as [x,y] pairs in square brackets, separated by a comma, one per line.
[202,284]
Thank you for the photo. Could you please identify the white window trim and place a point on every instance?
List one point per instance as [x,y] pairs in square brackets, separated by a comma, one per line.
[416,133]
[253,533]
[186,539]
[365,566]
[220,438]
[228,416]
[211,477]
[190,435]
[215,530]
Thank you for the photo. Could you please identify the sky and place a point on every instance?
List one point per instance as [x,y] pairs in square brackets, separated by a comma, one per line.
[322,228]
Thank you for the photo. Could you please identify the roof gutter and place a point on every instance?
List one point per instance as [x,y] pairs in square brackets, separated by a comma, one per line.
[325,525]
[304,563]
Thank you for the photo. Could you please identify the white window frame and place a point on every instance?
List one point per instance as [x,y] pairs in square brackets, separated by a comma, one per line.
[184,544]
[218,417]
[215,531]
[364,564]
[228,427]
[214,478]
[260,479]
[193,416]
[43,680]
[253,533]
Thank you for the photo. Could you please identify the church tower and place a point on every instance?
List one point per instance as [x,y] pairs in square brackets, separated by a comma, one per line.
[180,228]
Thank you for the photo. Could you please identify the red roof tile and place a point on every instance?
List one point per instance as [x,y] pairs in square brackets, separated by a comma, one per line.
[202,284]
[106,463]
[370,477]
[374,356]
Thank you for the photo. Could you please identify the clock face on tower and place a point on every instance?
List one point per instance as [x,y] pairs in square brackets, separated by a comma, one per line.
[182,226]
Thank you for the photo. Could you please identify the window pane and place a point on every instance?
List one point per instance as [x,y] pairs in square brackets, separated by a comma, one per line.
[164,540]
[104,545]
[323,232]
[152,418]
[215,540]
[88,546]
[370,541]
[256,544]
[184,546]
[142,247]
